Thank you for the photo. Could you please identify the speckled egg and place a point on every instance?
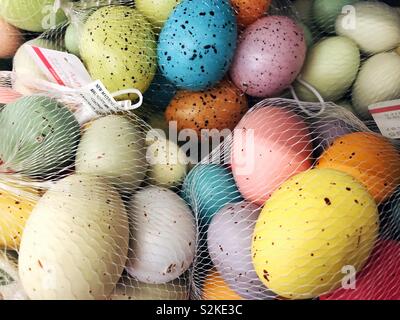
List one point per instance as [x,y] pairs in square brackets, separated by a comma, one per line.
[317,223]
[215,288]
[269,57]
[163,236]
[370,158]
[113,147]
[229,243]
[379,280]
[75,242]
[208,188]
[220,107]
[160,92]
[156,11]
[270,145]
[248,11]
[38,136]
[16,205]
[197,43]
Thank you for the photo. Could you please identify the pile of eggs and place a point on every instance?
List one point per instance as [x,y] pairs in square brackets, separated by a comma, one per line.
[101,211]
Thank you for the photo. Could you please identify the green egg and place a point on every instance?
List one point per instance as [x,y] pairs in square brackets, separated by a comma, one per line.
[156,11]
[31,15]
[38,136]
[325,13]
[118,47]
[72,36]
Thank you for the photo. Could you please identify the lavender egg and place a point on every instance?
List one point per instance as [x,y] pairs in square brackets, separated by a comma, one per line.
[269,57]
[229,243]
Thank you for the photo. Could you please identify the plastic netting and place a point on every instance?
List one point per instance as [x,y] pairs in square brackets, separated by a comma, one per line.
[266,179]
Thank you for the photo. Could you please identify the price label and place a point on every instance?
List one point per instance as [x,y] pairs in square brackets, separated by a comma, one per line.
[387,117]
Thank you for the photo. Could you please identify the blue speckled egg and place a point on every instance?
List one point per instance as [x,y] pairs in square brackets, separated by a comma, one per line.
[208,188]
[197,44]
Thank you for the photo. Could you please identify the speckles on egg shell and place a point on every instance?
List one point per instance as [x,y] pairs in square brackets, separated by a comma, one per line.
[209,38]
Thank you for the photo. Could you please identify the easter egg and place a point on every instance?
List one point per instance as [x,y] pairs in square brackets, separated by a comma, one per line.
[113,147]
[208,188]
[163,236]
[118,47]
[10,284]
[31,15]
[75,242]
[327,129]
[325,12]
[369,158]
[390,217]
[168,163]
[331,68]
[8,95]
[16,205]
[378,280]
[10,38]
[220,107]
[270,145]
[156,11]
[38,136]
[378,80]
[374,26]
[130,289]
[317,223]
[197,43]
[248,11]
[229,239]
[215,288]
[269,56]
[25,68]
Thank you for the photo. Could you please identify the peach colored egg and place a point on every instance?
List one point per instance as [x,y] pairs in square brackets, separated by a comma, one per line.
[368,157]
[10,38]
[248,11]
[220,107]
[8,95]
[270,145]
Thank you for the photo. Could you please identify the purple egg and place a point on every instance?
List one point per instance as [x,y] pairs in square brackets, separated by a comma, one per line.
[269,57]
[229,244]
[325,131]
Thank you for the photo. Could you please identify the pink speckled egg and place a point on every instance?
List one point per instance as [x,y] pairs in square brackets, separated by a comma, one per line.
[8,95]
[269,57]
[270,145]
[10,38]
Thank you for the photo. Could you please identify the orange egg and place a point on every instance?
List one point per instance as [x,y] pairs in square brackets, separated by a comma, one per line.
[369,158]
[220,107]
[10,38]
[215,288]
[248,11]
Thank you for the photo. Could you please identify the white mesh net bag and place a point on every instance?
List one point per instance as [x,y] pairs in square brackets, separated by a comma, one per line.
[97,205]
[289,206]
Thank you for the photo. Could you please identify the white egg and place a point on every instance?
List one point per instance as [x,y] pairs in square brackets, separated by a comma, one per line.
[113,147]
[75,243]
[374,26]
[163,236]
[378,80]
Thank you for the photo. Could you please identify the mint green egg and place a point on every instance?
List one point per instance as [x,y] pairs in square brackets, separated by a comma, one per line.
[31,15]
[72,36]
[38,136]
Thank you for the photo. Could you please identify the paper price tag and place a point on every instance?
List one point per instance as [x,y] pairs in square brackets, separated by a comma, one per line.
[60,67]
[387,117]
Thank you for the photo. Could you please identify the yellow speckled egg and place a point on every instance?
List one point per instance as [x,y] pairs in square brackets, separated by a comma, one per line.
[16,205]
[368,157]
[313,228]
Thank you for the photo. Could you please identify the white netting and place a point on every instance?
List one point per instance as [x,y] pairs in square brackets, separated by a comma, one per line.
[290,199]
